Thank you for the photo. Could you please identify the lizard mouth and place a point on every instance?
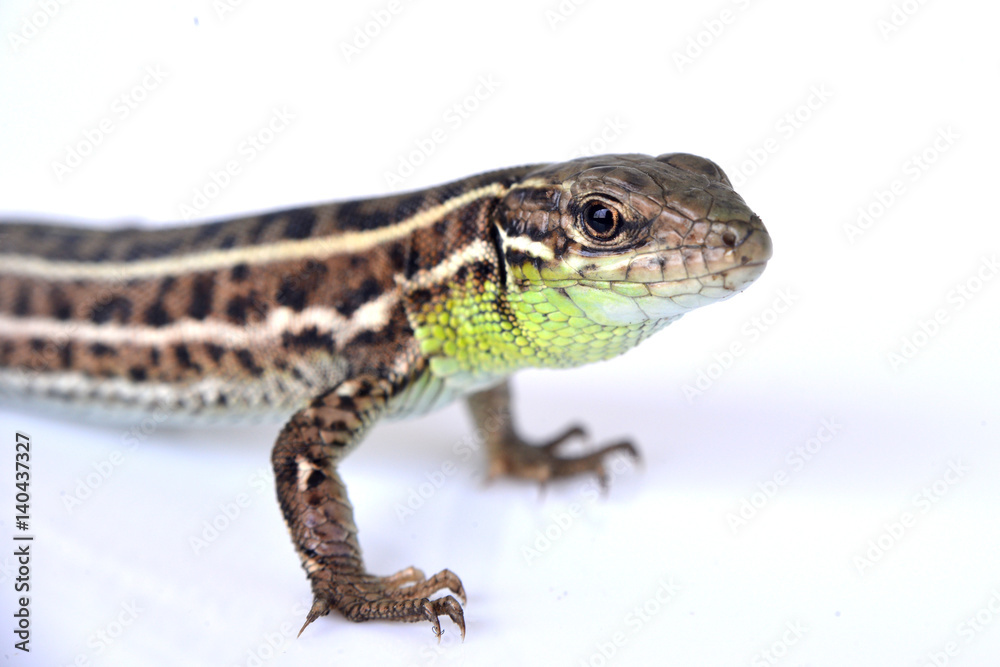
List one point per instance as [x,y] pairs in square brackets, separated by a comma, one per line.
[670,299]
[729,267]
[663,285]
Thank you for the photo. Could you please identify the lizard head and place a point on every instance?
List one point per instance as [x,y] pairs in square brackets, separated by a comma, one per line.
[623,244]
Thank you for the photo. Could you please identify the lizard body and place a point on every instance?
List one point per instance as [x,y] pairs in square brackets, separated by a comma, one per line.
[332,317]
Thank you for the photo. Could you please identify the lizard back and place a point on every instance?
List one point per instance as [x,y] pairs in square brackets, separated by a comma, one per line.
[221,320]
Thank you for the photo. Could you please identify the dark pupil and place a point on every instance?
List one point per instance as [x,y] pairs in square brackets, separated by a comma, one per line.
[600,219]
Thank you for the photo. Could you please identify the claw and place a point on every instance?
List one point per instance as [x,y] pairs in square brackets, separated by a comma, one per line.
[598,457]
[431,615]
[319,608]
[542,464]
[510,456]
[575,431]
[403,596]
[454,611]
[446,605]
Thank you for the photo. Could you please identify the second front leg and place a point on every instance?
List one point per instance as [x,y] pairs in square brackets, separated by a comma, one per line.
[511,456]
[321,520]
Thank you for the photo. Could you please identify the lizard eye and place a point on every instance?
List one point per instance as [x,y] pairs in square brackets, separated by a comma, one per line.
[600,221]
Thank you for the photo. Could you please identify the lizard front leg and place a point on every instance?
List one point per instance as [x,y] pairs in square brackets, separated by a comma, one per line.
[511,456]
[321,520]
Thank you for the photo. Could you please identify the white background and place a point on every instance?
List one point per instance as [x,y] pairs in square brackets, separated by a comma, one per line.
[864,102]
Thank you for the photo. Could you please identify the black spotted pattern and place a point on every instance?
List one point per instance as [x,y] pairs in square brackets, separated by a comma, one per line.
[202,290]
[300,223]
[291,294]
[367,291]
[245,357]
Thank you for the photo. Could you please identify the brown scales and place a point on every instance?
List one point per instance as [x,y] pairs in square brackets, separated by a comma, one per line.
[378,362]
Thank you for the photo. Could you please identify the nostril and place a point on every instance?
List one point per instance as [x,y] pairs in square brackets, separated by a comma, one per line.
[729,239]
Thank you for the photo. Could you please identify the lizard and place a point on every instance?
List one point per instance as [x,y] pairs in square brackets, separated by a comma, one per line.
[331,317]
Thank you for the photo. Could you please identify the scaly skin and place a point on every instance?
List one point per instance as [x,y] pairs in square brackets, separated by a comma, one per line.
[686,240]
[332,317]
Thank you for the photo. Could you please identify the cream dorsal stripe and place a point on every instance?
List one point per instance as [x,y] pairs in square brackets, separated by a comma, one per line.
[312,248]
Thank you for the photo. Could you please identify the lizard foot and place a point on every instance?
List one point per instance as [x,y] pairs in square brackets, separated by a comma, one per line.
[517,458]
[398,597]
